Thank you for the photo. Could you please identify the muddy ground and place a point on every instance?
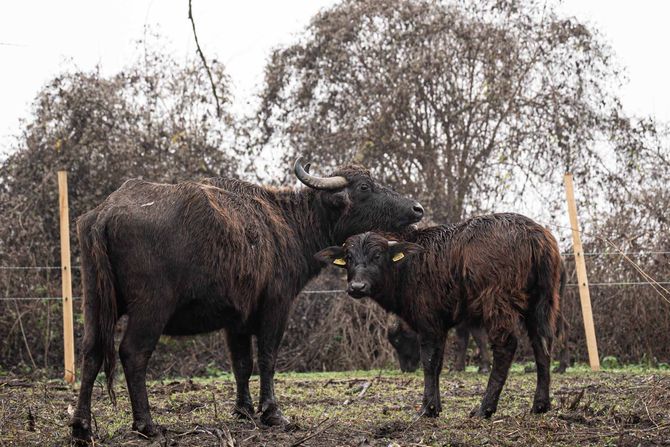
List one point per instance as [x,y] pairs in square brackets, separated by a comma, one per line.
[371,408]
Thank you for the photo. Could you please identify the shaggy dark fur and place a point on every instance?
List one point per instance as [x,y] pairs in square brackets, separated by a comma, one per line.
[406,343]
[496,270]
[200,256]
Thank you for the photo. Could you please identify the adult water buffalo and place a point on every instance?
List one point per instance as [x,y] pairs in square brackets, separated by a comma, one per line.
[221,253]
[405,342]
[495,270]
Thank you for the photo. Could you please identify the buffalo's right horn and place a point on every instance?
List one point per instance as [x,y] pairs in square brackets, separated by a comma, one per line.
[312,181]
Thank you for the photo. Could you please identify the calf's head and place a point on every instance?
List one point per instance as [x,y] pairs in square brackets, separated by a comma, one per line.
[369,259]
[360,203]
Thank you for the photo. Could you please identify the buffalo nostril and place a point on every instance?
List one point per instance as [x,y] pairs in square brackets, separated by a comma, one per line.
[357,286]
[418,209]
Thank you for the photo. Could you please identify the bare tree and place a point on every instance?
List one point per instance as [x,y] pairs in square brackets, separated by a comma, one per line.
[459,103]
[156,120]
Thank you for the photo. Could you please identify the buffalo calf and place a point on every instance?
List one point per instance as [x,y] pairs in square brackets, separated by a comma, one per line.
[494,271]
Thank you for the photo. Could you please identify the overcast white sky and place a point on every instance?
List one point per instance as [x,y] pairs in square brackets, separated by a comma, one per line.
[38,39]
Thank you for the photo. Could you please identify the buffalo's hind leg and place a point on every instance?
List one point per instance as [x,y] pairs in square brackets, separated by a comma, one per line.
[503,354]
[462,337]
[239,346]
[479,335]
[562,341]
[139,342]
[81,420]
[93,349]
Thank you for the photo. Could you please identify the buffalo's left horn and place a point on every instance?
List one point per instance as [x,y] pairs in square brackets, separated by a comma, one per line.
[315,182]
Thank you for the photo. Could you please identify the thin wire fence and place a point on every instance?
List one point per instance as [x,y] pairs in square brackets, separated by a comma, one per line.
[336,291]
[39,267]
[614,253]
[35,298]
[595,253]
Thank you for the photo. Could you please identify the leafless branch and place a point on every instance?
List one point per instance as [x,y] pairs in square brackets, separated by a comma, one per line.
[204,61]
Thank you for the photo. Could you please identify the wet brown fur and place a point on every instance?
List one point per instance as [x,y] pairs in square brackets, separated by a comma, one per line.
[497,270]
[199,256]
[485,269]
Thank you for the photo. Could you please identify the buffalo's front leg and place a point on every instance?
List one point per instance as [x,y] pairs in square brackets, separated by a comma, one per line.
[432,353]
[269,337]
[239,346]
[462,335]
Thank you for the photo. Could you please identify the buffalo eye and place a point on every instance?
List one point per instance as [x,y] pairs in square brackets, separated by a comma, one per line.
[364,187]
[376,257]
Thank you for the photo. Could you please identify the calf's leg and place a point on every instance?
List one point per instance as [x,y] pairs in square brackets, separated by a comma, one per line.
[541,402]
[432,355]
[239,346]
[503,354]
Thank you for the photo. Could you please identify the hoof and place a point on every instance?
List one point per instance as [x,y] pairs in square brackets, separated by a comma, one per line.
[540,407]
[430,411]
[245,411]
[81,431]
[273,417]
[482,413]
[484,369]
[560,369]
[148,429]
[458,368]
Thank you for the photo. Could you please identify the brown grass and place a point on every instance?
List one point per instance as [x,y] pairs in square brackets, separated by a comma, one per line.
[376,408]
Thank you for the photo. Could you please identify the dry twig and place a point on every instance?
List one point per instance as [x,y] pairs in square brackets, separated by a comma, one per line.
[204,61]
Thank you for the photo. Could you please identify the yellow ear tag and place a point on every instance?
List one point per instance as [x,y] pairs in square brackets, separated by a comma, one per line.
[339,261]
[398,256]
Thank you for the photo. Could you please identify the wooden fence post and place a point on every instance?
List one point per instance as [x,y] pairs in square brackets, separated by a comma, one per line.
[580,265]
[68,326]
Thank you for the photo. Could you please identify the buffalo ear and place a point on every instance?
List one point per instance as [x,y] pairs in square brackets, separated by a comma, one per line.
[339,199]
[332,255]
[402,250]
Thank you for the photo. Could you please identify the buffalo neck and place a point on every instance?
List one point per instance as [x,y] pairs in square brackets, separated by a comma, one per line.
[391,297]
[312,221]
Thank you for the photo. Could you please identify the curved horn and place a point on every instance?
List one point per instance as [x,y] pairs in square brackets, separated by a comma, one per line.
[312,181]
